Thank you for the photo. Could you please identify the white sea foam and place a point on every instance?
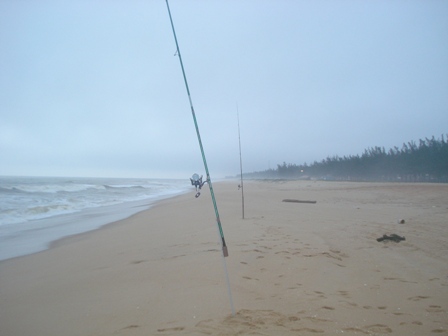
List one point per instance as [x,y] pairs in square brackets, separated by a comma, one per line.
[35,211]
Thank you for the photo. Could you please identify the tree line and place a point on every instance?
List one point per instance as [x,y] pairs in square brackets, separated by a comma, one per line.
[425,161]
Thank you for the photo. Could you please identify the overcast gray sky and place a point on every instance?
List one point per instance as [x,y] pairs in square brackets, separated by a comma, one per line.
[92,88]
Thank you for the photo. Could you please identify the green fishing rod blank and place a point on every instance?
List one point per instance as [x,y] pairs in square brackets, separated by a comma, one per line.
[209,181]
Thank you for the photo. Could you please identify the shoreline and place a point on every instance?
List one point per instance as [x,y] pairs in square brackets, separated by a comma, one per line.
[293,268]
[79,236]
[42,233]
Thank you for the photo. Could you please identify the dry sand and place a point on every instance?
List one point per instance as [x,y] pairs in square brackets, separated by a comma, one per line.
[295,269]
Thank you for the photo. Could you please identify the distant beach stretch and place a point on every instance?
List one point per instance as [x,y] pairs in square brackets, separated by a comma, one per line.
[319,263]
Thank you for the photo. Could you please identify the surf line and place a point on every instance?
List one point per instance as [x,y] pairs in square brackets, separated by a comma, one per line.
[225,252]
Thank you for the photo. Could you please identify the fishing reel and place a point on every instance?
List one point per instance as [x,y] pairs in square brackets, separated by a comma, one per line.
[197,182]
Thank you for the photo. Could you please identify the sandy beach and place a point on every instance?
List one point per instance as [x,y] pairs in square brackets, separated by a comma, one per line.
[294,268]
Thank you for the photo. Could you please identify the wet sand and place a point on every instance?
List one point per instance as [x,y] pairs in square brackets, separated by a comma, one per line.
[294,268]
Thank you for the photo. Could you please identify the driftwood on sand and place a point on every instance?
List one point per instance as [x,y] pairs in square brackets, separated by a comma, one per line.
[298,201]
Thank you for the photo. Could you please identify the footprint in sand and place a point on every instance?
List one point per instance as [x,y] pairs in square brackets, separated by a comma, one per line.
[435,309]
[171,329]
[401,280]
[282,252]
[344,294]
[308,330]
[132,326]
[328,308]
[249,322]
[212,250]
[137,262]
[341,254]
[439,331]
[316,319]
[378,328]
[174,257]
[349,304]
[316,295]
[418,298]
[355,330]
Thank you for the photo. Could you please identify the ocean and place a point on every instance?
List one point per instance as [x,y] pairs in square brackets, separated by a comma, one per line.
[34,211]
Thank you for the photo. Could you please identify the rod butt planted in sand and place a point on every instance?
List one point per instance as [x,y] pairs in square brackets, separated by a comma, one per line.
[225,252]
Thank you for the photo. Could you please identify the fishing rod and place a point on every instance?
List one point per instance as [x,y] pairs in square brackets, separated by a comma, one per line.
[225,252]
[241,161]
[209,181]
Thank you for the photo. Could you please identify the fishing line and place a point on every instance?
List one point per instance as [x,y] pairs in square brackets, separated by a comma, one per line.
[225,252]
